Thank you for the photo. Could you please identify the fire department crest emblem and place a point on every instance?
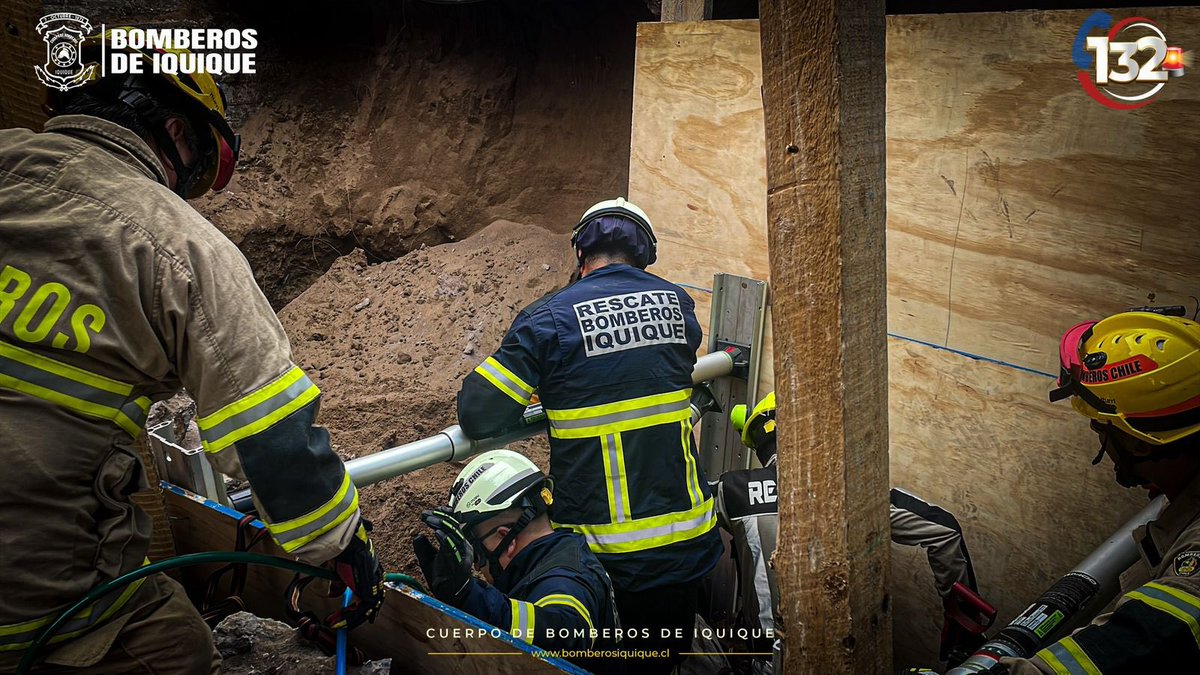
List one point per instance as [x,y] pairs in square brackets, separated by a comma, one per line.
[64,33]
[1187,563]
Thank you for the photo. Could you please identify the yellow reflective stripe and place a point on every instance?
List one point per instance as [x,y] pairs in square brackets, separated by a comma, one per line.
[615,482]
[1052,661]
[623,476]
[693,476]
[503,379]
[65,370]
[567,601]
[647,533]
[1080,657]
[620,406]
[1177,603]
[292,534]
[258,411]
[29,629]
[522,620]
[71,388]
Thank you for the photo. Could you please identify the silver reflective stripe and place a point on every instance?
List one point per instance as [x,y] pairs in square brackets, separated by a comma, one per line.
[251,415]
[614,464]
[333,513]
[20,636]
[650,533]
[1068,661]
[514,388]
[109,402]
[762,587]
[522,627]
[622,416]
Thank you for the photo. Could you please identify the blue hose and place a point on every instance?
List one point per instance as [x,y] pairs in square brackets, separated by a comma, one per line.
[341,636]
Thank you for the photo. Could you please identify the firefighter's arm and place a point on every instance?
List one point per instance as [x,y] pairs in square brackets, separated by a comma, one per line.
[1153,629]
[494,396]
[257,409]
[559,615]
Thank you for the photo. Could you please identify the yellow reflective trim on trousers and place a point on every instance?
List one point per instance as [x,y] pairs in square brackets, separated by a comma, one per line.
[647,533]
[566,601]
[71,388]
[292,534]
[693,475]
[258,411]
[31,628]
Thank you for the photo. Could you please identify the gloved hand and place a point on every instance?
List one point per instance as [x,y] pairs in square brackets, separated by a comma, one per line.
[447,567]
[359,570]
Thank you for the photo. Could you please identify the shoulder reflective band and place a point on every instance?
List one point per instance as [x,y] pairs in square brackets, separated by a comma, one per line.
[522,620]
[72,388]
[566,601]
[613,418]
[257,411]
[505,380]
[21,635]
[646,533]
[294,533]
[1066,657]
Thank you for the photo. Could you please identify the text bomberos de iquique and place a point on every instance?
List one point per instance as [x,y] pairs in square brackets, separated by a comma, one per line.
[218,51]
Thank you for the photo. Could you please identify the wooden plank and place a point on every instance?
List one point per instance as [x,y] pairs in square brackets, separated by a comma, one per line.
[686,10]
[1017,205]
[697,160]
[982,440]
[824,112]
[410,629]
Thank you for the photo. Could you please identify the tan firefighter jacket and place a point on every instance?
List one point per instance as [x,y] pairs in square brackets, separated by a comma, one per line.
[1155,625]
[115,293]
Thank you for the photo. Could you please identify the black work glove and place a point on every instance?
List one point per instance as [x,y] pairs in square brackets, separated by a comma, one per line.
[359,570]
[446,567]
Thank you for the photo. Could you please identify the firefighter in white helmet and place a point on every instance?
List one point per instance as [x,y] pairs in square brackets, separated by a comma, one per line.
[547,587]
[611,358]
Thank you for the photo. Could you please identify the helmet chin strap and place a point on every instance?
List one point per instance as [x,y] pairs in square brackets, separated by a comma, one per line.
[1126,462]
[146,109]
[493,557]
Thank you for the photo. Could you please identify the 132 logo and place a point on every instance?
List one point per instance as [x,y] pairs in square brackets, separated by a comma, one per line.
[1132,54]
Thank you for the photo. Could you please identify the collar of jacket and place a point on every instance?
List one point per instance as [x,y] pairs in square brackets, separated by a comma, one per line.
[1163,531]
[611,269]
[527,558]
[112,138]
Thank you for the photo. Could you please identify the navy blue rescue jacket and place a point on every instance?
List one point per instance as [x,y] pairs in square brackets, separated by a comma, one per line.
[611,359]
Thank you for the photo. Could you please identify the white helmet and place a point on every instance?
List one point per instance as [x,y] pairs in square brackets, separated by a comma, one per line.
[644,250]
[496,481]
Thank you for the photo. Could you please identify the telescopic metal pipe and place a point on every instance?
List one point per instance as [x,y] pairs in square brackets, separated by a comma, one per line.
[1071,600]
[452,444]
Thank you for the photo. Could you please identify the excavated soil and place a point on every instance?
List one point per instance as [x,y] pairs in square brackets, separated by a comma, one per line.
[389,344]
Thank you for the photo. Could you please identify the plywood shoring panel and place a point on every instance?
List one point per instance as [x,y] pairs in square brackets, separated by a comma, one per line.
[1068,211]
[1017,205]
[697,159]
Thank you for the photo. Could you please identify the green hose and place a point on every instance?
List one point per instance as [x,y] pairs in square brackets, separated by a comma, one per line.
[398,578]
[169,564]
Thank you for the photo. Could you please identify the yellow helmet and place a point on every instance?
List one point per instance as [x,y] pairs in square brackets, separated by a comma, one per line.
[196,94]
[759,426]
[1137,370]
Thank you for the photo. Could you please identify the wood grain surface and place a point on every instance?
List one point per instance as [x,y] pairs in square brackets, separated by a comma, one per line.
[824,110]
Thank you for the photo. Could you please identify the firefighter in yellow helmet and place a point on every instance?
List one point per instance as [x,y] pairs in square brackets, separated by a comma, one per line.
[115,293]
[1137,376]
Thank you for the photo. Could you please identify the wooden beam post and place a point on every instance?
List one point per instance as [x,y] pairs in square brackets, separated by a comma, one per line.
[686,10]
[823,77]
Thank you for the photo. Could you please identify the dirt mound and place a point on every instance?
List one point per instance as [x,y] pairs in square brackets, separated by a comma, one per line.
[389,344]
